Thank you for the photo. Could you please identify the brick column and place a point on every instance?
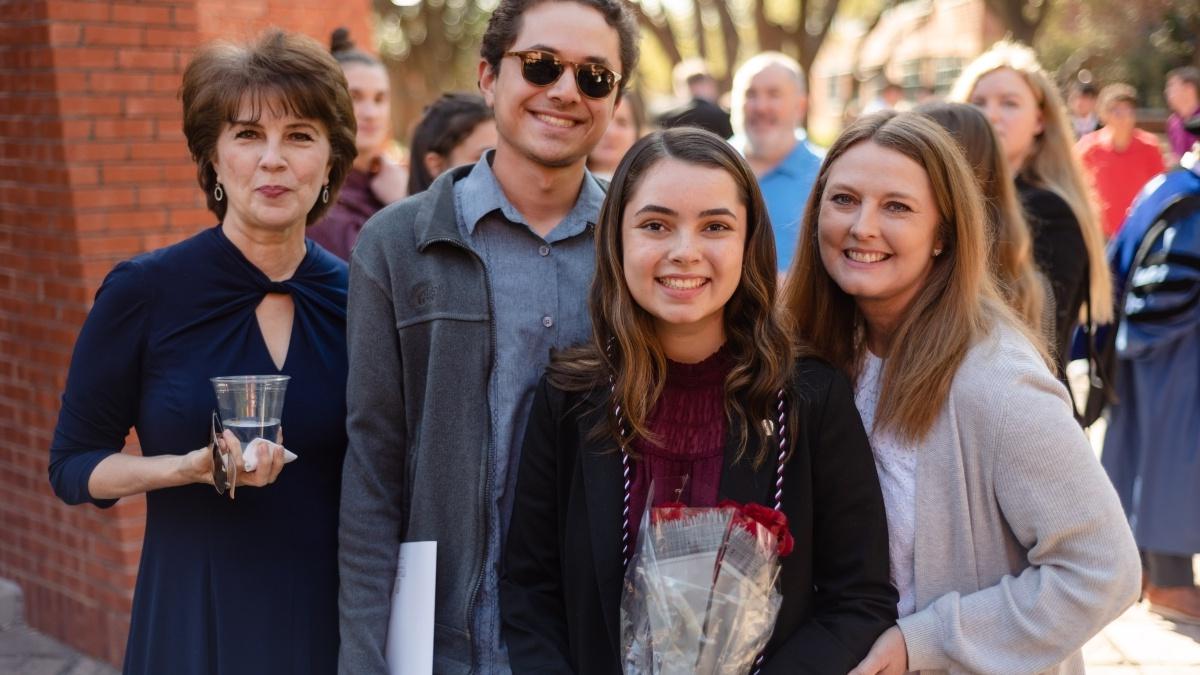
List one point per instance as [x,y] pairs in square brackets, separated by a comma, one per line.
[93,170]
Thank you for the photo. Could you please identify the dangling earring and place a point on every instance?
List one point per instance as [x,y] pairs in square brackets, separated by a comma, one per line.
[325,194]
[218,192]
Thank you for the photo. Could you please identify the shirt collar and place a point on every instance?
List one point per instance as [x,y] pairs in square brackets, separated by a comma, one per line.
[481,195]
[791,165]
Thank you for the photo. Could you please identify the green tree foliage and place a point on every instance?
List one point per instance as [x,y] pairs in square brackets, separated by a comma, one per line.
[1119,41]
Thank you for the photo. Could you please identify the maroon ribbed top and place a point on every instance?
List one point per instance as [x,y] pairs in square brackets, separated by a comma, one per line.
[689,423]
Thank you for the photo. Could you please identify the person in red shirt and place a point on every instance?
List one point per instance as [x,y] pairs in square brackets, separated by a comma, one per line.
[1120,157]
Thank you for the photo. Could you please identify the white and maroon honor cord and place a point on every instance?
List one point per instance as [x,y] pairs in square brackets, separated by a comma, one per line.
[627,472]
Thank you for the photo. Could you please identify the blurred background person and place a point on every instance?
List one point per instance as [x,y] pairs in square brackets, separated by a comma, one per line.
[1010,249]
[376,180]
[1153,431]
[224,586]
[927,94]
[1183,100]
[1081,105]
[769,103]
[627,126]
[1030,120]
[1119,157]
[694,84]
[890,97]
[454,130]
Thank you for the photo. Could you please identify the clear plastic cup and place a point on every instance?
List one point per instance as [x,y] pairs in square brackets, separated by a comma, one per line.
[251,405]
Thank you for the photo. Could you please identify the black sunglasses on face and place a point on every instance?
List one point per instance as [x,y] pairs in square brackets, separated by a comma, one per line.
[543,69]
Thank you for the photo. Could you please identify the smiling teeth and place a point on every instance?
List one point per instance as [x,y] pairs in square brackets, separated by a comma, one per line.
[858,256]
[556,121]
[681,284]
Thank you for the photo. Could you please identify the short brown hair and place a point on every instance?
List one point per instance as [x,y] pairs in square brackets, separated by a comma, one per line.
[1188,75]
[1115,93]
[284,69]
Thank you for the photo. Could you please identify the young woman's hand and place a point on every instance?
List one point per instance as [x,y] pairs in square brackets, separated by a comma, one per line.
[390,182]
[888,656]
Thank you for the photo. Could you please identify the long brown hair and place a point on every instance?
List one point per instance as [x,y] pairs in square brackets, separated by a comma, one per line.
[624,342]
[957,305]
[1052,163]
[1010,246]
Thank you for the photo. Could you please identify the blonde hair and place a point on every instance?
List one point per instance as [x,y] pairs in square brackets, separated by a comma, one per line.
[1052,163]
[1011,247]
[957,306]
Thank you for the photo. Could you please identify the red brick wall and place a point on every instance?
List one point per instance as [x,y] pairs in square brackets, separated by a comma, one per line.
[93,169]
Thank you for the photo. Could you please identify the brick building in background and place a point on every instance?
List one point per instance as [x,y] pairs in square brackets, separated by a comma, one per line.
[93,170]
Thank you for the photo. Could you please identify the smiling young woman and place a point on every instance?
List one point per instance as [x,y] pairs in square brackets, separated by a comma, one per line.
[687,346]
[1021,554]
[1024,106]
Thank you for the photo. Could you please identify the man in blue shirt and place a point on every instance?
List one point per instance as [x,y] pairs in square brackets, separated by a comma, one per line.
[457,296]
[769,102]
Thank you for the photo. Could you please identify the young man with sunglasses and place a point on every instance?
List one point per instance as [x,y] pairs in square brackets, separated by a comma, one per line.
[457,296]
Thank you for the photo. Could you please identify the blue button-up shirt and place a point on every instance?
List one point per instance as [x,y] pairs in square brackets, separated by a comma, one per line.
[539,292]
[785,188]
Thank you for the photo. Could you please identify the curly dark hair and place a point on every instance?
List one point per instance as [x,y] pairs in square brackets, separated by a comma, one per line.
[505,24]
[444,124]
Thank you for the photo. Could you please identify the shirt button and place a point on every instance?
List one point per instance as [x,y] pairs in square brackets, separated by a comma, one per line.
[544,250]
[547,321]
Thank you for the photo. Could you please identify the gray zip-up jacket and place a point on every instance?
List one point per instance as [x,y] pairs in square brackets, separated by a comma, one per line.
[421,345]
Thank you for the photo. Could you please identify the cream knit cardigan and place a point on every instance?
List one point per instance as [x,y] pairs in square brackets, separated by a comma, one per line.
[1022,550]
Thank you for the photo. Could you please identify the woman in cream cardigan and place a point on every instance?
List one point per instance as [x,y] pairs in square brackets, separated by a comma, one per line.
[1008,545]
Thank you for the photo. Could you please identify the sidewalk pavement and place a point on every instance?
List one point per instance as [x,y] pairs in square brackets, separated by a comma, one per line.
[24,651]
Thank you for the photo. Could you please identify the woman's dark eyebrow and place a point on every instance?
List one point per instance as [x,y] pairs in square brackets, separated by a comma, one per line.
[655,208]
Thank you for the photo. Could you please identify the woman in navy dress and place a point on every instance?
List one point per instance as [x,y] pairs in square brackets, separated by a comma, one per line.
[246,585]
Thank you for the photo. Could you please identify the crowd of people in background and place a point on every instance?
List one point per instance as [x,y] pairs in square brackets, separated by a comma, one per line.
[557,298]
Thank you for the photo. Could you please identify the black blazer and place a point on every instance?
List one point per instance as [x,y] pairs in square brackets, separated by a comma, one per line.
[561,590]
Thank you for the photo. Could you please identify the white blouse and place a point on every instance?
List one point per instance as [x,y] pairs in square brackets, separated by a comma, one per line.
[896,464]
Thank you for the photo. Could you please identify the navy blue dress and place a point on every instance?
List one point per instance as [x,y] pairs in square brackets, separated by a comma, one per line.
[244,586]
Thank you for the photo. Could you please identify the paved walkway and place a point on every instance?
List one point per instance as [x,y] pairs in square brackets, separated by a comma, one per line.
[1142,643]
[24,651]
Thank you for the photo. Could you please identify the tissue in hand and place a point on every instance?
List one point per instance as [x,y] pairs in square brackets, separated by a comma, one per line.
[250,454]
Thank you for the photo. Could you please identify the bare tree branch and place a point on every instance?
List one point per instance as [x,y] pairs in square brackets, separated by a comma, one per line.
[698,27]
[661,29]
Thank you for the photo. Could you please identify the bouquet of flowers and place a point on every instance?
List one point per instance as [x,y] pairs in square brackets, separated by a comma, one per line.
[700,593]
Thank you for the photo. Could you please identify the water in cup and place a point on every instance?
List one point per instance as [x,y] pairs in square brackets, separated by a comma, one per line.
[251,405]
[249,428]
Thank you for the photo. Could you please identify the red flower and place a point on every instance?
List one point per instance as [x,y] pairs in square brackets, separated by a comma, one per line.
[667,512]
[774,521]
